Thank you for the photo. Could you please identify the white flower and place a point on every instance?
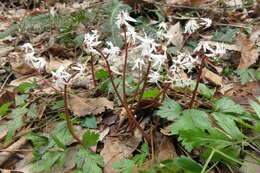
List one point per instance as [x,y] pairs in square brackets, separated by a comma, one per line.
[162,26]
[80,68]
[191,26]
[28,48]
[91,41]
[219,51]
[207,22]
[138,64]
[61,76]
[39,63]
[131,34]
[203,45]
[147,45]
[182,62]
[158,61]
[29,57]
[112,50]
[123,18]
[154,77]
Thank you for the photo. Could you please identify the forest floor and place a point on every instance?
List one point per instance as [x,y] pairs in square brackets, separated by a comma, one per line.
[146,86]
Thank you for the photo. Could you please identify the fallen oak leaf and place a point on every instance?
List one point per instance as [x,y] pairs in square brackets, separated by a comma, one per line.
[89,106]
[212,77]
[249,53]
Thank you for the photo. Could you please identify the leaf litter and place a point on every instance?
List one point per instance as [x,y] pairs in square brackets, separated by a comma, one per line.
[120,143]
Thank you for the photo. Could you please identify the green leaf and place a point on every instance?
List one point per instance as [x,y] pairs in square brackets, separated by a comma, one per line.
[150,94]
[225,34]
[88,162]
[58,142]
[33,112]
[38,140]
[255,106]
[90,138]
[188,164]
[213,137]
[191,119]
[4,109]
[170,109]
[62,133]
[57,105]
[140,158]
[247,75]
[229,125]
[25,87]
[89,122]
[226,105]
[16,123]
[21,99]
[48,161]
[124,165]
[101,74]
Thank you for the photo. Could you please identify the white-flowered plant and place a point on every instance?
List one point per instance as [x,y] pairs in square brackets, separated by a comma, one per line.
[38,63]
[193,25]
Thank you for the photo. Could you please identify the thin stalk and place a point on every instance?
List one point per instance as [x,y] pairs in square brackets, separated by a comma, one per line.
[194,93]
[93,72]
[125,66]
[130,115]
[145,83]
[67,117]
[208,160]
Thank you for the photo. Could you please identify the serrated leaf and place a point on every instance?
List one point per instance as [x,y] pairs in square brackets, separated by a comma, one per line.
[33,112]
[89,122]
[255,106]
[88,162]
[4,109]
[188,164]
[58,142]
[150,93]
[190,119]
[48,160]
[226,105]
[16,123]
[229,125]
[140,158]
[25,87]
[57,105]
[38,140]
[90,138]
[247,75]
[101,74]
[124,165]
[62,133]
[170,109]
[213,137]
[21,99]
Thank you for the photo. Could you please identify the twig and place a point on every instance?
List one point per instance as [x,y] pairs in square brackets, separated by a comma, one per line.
[194,93]
[6,80]
[93,72]
[125,66]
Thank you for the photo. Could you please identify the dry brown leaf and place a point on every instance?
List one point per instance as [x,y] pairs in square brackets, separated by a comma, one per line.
[166,149]
[89,106]
[5,50]
[114,150]
[212,77]
[231,3]
[55,63]
[249,53]
[176,35]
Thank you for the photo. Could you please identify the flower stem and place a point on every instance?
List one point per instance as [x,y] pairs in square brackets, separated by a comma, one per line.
[125,67]
[93,72]
[130,115]
[67,117]
[194,93]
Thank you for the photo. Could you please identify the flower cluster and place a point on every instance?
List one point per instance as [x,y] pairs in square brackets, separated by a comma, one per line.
[38,63]
[193,25]
[62,75]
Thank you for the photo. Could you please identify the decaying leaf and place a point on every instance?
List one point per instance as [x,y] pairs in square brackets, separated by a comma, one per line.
[89,106]
[166,149]
[249,53]
[176,37]
[55,63]
[27,78]
[212,77]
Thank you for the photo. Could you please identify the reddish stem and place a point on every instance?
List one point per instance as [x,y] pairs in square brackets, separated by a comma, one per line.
[194,93]
[93,72]
[125,66]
